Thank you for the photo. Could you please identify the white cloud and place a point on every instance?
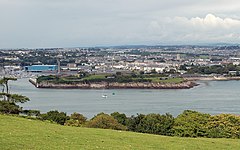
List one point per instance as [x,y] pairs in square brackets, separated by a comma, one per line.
[209,22]
[212,21]
[210,28]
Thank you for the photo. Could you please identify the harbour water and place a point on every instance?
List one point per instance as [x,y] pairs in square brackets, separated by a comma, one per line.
[212,97]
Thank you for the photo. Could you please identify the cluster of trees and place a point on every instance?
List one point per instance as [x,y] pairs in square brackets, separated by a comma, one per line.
[188,124]
[215,69]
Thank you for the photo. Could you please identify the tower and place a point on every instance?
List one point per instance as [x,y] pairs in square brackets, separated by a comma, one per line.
[178,57]
[58,67]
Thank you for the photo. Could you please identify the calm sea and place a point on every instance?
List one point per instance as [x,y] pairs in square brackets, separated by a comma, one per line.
[212,97]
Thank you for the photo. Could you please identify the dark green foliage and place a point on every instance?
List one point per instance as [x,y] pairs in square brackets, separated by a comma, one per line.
[134,75]
[216,69]
[157,124]
[118,73]
[83,74]
[152,123]
[121,118]
[153,71]
[191,124]
[9,108]
[76,120]
[183,67]
[133,122]
[15,98]
[105,121]
[55,116]
[141,72]
[31,112]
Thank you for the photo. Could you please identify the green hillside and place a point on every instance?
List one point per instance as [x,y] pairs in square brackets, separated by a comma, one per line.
[20,133]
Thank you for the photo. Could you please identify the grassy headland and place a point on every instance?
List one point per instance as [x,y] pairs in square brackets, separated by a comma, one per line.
[113,81]
[20,133]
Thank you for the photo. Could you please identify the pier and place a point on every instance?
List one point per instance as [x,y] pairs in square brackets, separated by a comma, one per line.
[34,82]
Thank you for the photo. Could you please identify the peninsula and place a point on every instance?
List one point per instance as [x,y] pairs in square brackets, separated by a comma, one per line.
[112,81]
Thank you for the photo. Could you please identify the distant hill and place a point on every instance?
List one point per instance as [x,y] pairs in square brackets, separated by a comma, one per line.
[20,133]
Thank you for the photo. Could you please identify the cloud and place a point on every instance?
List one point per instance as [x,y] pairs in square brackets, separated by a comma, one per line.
[209,22]
[212,21]
[210,28]
[61,23]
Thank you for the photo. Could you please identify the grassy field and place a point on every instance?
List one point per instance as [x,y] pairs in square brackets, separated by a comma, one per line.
[153,79]
[169,80]
[99,76]
[102,77]
[20,133]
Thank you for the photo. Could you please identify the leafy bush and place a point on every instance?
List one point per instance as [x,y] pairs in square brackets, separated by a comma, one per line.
[224,126]
[76,120]
[121,118]
[55,116]
[154,124]
[105,121]
[133,122]
[191,124]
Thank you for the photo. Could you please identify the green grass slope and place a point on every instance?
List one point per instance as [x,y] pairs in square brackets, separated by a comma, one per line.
[20,133]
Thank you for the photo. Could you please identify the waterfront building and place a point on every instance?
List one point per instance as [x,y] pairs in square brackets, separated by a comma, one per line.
[41,68]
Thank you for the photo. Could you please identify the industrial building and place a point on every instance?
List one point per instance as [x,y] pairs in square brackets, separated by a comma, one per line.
[41,68]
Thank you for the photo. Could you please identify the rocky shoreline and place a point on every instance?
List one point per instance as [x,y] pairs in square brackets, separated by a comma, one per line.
[187,84]
[115,85]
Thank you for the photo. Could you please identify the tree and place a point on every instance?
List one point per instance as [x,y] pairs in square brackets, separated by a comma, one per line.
[183,67]
[105,121]
[156,124]
[76,120]
[4,83]
[153,71]
[141,72]
[15,98]
[191,124]
[134,75]
[55,116]
[121,118]
[9,108]
[118,73]
[8,105]
[223,126]
[31,112]
[133,122]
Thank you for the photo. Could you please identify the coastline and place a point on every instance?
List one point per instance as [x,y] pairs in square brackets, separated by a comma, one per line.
[115,85]
[211,78]
[189,82]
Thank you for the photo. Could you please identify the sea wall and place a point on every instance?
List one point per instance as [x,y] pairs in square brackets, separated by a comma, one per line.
[115,85]
[33,81]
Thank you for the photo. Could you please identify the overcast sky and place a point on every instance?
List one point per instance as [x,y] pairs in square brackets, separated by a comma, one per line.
[77,23]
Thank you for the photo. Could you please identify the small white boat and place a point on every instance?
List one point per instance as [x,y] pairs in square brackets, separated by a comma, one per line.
[104,96]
